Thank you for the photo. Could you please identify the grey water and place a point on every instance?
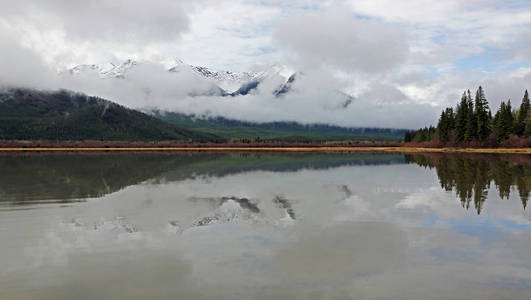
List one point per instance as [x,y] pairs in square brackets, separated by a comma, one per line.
[268,226]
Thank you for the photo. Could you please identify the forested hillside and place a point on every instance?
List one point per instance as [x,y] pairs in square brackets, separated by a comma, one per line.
[63,115]
[243,131]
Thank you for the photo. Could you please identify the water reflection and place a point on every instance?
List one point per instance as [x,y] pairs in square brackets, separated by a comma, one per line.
[30,179]
[270,226]
[471,175]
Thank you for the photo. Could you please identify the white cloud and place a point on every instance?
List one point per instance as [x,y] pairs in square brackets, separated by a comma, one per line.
[403,59]
[340,39]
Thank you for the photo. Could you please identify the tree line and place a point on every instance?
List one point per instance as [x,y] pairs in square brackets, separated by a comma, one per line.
[471,122]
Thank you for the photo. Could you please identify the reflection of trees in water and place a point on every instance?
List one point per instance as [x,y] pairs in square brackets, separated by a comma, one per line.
[471,175]
[62,178]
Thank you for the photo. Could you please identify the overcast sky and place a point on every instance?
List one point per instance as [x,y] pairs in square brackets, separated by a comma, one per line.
[401,60]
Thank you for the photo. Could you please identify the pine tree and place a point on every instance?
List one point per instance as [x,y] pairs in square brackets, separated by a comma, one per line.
[461,119]
[431,133]
[527,131]
[421,135]
[504,121]
[482,115]
[471,121]
[523,115]
[446,124]
[407,136]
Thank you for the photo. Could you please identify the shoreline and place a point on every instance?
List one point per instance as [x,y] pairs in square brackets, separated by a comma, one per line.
[268,149]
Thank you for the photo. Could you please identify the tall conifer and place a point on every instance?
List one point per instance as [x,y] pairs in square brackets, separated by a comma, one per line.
[461,119]
[471,122]
[523,115]
[482,115]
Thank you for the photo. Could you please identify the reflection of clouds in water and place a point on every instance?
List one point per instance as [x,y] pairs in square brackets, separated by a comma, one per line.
[343,251]
[441,282]
[157,274]
[356,232]
[357,209]
[445,205]
[78,235]
[430,203]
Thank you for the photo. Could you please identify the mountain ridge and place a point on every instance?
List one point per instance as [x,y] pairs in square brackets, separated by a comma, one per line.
[288,131]
[227,83]
[27,114]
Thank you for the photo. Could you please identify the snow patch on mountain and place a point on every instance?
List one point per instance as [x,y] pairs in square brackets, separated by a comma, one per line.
[276,79]
[104,72]
[118,71]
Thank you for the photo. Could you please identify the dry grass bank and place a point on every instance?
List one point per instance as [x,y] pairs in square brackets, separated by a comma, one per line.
[270,149]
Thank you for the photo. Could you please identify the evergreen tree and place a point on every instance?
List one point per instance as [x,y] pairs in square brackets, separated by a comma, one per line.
[527,131]
[482,115]
[431,133]
[504,121]
[523,115]
[408,136]
[446,124]
[461,119]
[420,136]
[471,121]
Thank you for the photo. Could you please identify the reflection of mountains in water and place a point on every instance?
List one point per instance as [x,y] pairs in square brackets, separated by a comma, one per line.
[27,179]
[471,175]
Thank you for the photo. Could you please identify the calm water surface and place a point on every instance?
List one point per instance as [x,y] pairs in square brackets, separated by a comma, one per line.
[235,226]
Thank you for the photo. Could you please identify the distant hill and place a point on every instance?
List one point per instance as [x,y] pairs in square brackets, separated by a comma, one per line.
[63,115]
[277,131]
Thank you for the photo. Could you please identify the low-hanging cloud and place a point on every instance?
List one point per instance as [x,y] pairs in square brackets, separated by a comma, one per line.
[315,96]
[344,41]
[359,65]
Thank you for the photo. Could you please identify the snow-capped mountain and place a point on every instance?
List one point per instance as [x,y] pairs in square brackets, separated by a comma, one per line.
[84,68]
[110,71]
[229,81]
[226,80]
[239,83]
[118,71]
[280,78]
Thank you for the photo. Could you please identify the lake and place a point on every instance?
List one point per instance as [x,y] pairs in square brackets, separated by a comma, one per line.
[265,226]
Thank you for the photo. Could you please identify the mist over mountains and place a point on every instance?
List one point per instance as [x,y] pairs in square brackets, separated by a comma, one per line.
[353,64]
[216,83]
[267,94]
[29,114]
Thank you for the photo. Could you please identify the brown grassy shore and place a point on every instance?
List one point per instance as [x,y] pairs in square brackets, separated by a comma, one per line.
[18,146]
[271,149]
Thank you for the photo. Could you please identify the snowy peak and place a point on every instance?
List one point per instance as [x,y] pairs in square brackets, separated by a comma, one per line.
[278,79]
[113,71]
[118,71]
[84,68]
[223,75]
[227,80]
[282,71]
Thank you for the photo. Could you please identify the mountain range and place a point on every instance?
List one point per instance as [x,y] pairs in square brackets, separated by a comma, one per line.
[218,83]
[276,131]
[65,115]
[27,114]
